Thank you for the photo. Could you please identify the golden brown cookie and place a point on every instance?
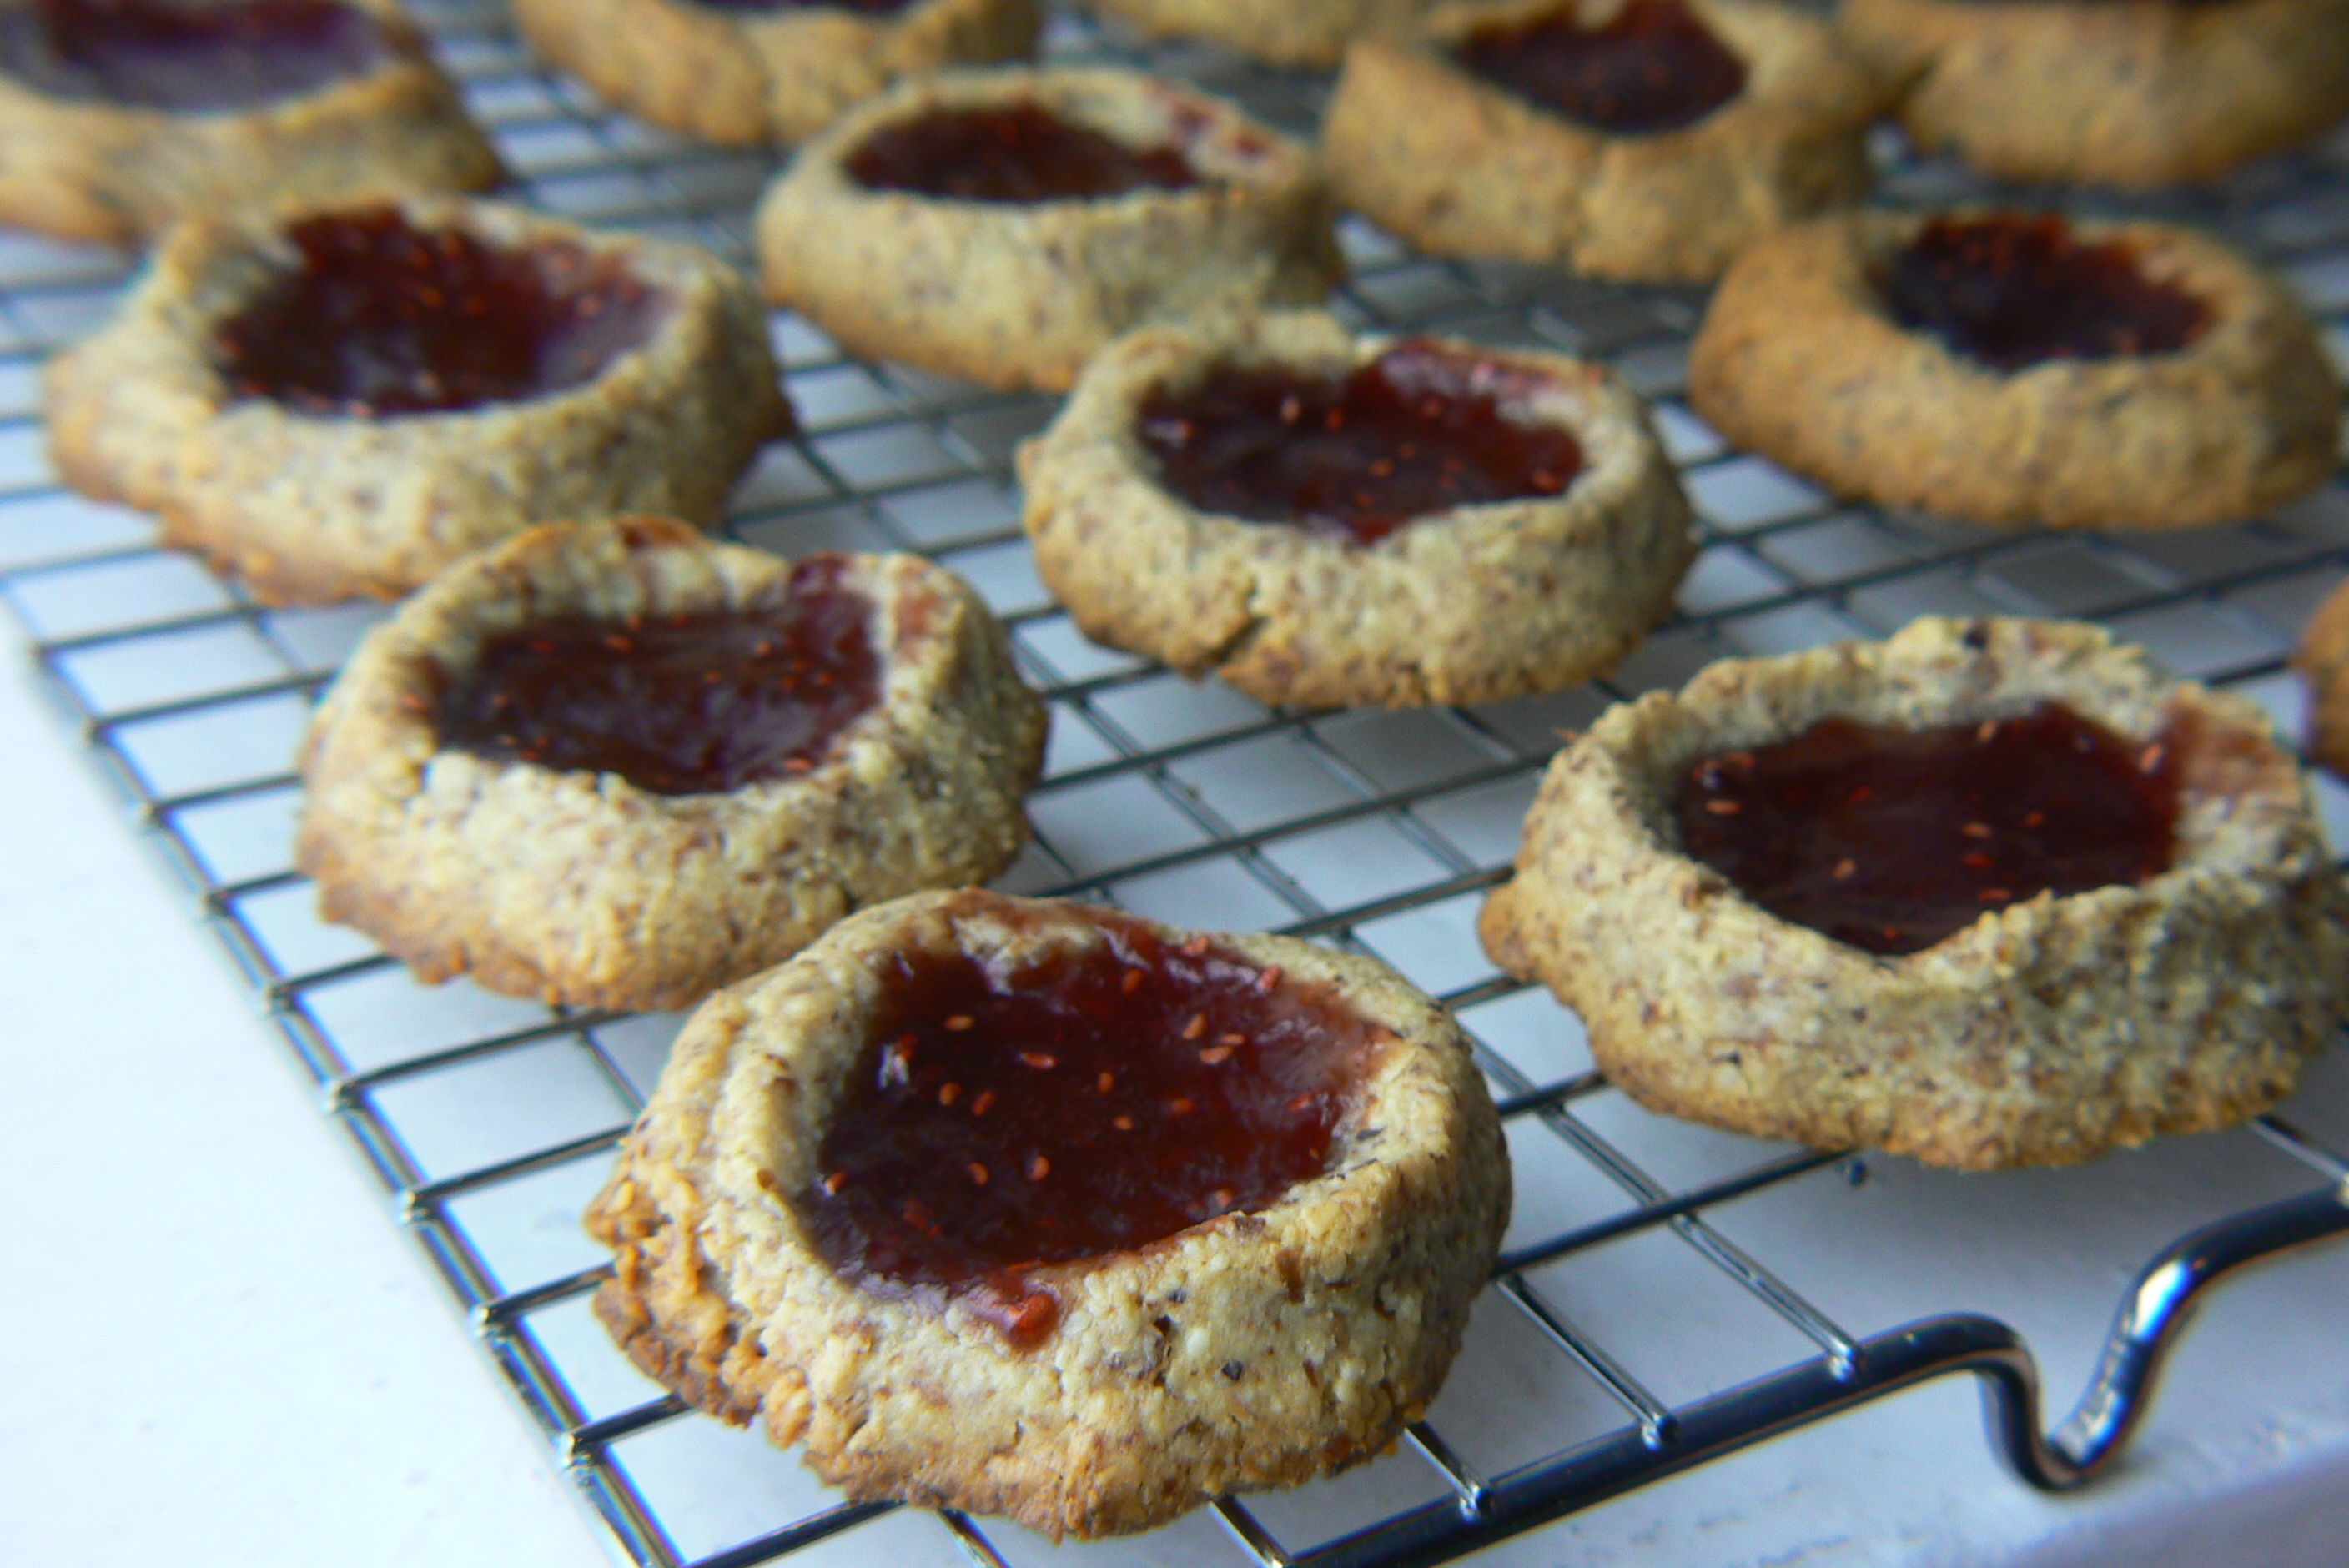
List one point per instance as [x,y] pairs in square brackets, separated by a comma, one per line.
[1285,33]
[2010,369]
[1002,226]
[1036,1208]
[2153,92]
[346,404]
[2324,662]
[118,118]
[620,765]
[746,73]
[1649,140]
[1323,520]
[2179,993]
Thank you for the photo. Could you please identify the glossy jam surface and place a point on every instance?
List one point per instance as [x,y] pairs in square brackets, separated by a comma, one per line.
[145,55]
[1011,153]
[686,705]
[1655,66]
[2011,292]
[1086,1105]
[1418,430]
[382,319]
[1893,840]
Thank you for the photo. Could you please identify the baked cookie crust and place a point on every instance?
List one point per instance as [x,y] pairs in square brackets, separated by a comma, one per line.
[1021,295]
[309,507]
[744,78]
[1800,359]
[1460,166]
[1312,33]
[2324,662]
[2136,96]
[2049,1031]
[1256,1348]
[118,173]
[586,890]
[1474,604]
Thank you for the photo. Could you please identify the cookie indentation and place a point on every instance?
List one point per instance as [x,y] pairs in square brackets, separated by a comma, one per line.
[2011,292]
[682,705]
[380,318]
[1089,1103]
[1015,152]
[1418,430]
[187,58]
[1654,66]
[1893,840]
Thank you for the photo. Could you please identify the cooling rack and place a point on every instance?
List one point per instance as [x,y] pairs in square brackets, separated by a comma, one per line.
[1667,1294]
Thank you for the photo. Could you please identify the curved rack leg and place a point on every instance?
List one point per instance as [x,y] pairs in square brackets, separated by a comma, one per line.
[2151,1317]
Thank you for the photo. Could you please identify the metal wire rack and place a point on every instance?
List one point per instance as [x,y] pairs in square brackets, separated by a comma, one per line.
[1634,1329]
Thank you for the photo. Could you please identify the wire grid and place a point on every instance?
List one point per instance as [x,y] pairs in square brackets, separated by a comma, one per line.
[1626,1293]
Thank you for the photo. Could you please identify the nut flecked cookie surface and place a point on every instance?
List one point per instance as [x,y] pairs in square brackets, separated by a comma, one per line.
[118,119]
[1016,285]
[646,859]
[1291,33]
[494,369]
[745,73]
[1259,1327]
[2149,93]
[1635,183]
[2051,1028]
[1536,583]
[1802,358]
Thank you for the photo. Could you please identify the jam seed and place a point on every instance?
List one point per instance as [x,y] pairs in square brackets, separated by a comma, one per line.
[948,1093]
[1724,808]
[1845,868]
[1039,1168]
[960,1022]
[1130,983]
[1122,1123]
[2149,759]
[1995,895]
[1268,978]
[2035,818]
[835,1181]
[1231,1039]
[1181,1104]
[1988,732]
[984,1103]
[1042,1061]
[978,1173]
[1195,1027]
[1976,861]
[1195,948]
[1106,1082]
[1223,1197]
[1976,829]
[1216,1056]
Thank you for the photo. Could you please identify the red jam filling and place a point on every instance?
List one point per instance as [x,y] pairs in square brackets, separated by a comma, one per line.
[188,58]
[684,705]
[1893,840]
[1002,1120]
[1656,67]
[382,319]
[1012,153]
[2012,291]
[1418,430]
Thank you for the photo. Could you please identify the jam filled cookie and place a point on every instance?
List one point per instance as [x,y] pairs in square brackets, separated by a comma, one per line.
[345,405]
[2135,93]
[1647,140]
[121,117]
[2011,369]
[1002,226]
[620,765]
[2324,661]
[1287,33]
[1036,1208]
[1327,521]
[743,72]
[1990,894]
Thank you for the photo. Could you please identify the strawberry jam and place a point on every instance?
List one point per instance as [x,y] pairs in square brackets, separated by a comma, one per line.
[1893,840]
[1000,1121]
[683,705]
[1011,153]
[188,58]
[2011,291]
[1655,66]
[379,318]
[1418,430]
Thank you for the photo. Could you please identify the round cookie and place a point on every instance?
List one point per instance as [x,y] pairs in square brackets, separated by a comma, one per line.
[319,466]
[2051,1028]
[1312,33]
[935,224]
[1199,501]
[620,766]
[118,118]
[1035,1209]
[2147,93]
[2323,662]
[743,73]
[1648,140]
[2211,403]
